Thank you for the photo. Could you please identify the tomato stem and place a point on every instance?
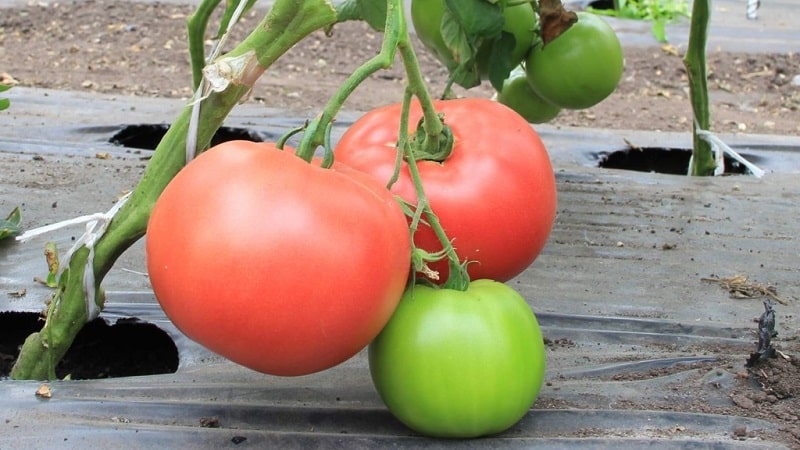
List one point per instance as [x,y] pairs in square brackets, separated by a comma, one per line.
[695,62]
[434,140]
[458,278]
[196,26]
[314,135]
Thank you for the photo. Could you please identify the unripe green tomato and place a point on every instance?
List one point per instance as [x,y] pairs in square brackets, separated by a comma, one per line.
[459,364]
[426,15]
[518,95]
[579,68]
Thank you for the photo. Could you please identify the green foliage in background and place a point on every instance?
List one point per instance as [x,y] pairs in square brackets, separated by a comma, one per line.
[659,12]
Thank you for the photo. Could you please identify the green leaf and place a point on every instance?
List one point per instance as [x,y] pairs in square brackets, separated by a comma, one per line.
[51,255]
[500,60]
[659,31]
[10,226]
[374,13]
[4,102]
[478,18]
[463,50]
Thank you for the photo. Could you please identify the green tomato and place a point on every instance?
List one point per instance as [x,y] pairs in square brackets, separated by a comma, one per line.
[579,68]
[459,364]
[426,15]
[520,21]
[518,95]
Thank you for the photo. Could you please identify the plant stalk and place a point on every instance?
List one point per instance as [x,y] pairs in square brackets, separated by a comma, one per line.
[314,134]
[694,60]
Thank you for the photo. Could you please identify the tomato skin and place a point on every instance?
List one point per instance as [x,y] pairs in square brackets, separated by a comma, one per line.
[459,364]
[273,262]
[518,95]
[426,16]
[495,195]
[579,68]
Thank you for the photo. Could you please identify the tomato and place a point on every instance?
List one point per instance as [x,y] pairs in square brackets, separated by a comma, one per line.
[495,195]
[426,16]
[518,95]
[275,263]
[459,363]
[579,68]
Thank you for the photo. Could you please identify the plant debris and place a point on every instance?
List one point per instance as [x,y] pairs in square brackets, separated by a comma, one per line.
[739,287]
[766,331]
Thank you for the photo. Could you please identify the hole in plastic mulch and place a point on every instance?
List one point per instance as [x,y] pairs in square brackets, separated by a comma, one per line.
[673,161]
[129,347]
[147,136]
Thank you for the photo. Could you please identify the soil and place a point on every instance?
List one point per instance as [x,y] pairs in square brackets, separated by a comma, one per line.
[140,49]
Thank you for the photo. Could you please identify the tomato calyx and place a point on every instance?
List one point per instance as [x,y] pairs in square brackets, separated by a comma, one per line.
[554,19]
[425,146]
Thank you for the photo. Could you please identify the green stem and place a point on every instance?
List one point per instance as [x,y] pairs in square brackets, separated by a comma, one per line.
[196,25]
[287,23]
[695,61]
[314,135]
[432,132]
[458,278]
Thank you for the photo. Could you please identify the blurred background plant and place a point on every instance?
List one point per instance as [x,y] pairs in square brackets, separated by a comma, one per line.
[658,12]
[4,102]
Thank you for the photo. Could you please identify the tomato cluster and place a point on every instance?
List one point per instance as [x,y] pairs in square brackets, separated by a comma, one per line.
[464,363]
[576,70]
[289,268]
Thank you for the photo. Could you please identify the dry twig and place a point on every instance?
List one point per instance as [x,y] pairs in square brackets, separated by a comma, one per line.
[738,287]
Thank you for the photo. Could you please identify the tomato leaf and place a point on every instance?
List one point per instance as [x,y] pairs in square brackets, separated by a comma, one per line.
[370,11]
[463,49]
[4,102]
[478,18]
[374,13]
[500,60]
[10,226]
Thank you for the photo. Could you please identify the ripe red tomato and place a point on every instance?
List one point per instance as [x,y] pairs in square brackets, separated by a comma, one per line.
[459,363]
[495,194]
[275,263]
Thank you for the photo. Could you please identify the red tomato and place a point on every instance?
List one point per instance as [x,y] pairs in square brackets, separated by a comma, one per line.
[495,194]
[275,263]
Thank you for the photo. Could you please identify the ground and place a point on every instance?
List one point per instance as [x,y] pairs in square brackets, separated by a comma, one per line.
[140,49]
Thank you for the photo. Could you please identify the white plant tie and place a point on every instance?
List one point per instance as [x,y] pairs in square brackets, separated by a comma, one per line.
[96,225]
[720,149]
[203,90]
